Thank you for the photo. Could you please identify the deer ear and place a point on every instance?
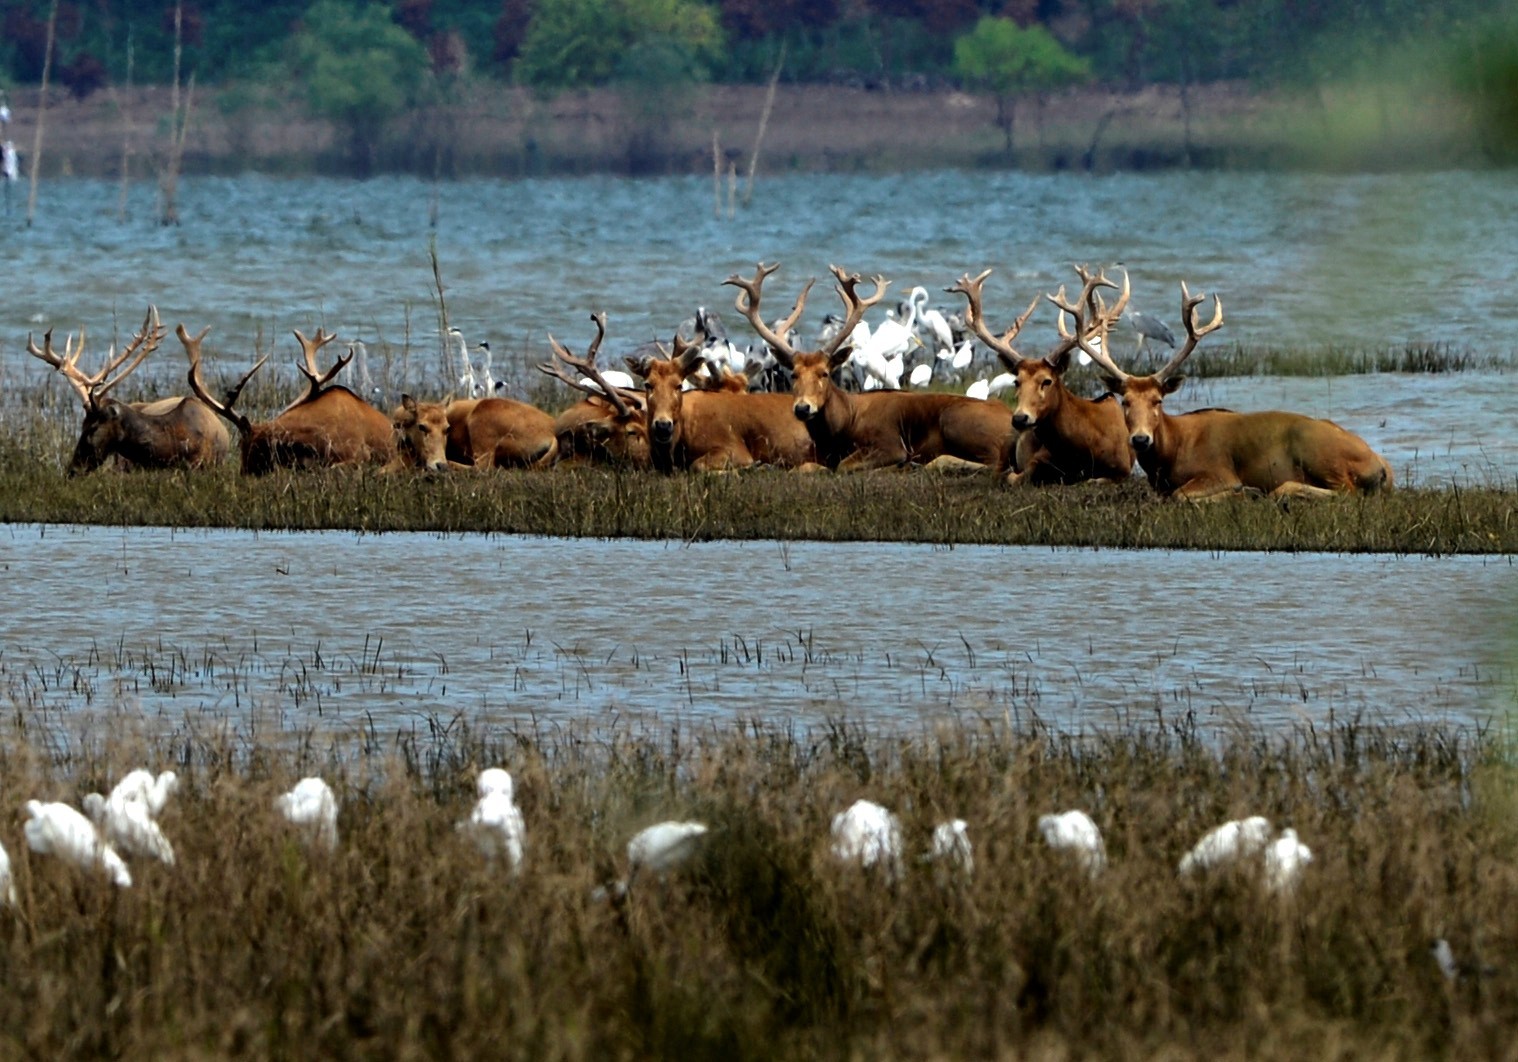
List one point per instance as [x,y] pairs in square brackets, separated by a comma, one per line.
[1113,384]
[1173,384]
[839,356]
[639,366]
[408,403]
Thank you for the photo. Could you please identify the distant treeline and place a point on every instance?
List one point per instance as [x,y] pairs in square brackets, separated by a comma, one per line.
[556,43]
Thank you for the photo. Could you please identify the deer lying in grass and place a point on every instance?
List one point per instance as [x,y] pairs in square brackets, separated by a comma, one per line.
[169,433]
[877,429]
[321,428]
[1062,437]
[609,426]
[721,429]
[1211,453]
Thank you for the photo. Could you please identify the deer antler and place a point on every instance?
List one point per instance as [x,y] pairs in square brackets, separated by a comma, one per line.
[316,379]
[1090,314]
[747,302]
[846,288]
[617,396]
[143,343]
[1002,344]
[65,363]
[198,387]
[1195,330]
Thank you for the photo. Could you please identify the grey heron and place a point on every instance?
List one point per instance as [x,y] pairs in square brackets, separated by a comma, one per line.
[1150,327]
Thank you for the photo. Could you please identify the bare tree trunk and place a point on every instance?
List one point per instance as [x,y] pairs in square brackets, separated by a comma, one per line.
[47,70]
[716,177]
[126,134]
[1185,89]
[764,121]
[168,181]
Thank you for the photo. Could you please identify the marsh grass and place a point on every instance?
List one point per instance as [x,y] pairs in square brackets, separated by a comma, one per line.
[761,504]
[404,942]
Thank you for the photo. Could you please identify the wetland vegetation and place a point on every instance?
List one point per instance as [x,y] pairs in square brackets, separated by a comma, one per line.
[404,941]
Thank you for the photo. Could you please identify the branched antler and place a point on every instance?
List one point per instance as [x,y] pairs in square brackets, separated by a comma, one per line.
[975,319]
[619,397]
[198,387]
[747,302]
[92,388]
[315,378]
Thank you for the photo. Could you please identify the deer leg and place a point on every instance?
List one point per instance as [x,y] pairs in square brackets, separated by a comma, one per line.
[1297,489]
[1206,490]
[949,465]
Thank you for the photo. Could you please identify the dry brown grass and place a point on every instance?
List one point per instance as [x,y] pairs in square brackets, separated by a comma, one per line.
[405,943]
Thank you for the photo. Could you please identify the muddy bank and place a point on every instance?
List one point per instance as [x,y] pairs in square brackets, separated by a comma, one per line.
[495,130]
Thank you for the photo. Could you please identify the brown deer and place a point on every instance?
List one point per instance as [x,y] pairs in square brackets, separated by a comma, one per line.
[1211,453]
[1062,437]
[169,433]
[876,429]
[421,436]
[716,430]
[321,428]
[609,426]
[500,433]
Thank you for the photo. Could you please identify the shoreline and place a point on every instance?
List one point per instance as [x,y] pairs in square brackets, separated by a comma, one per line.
[503,131]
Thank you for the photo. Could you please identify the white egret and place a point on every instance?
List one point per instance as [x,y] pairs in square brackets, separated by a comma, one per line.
[869,835]
[142,785]
[934,320]
[467,382]
[487,386]
[358,366]
[959,357]
[922,375]
[660,848]
[62,831]
[951,847]
[496,822]
[614,378]
[1443,954]
[312,807]
[1074,832]
[127,824]
[881,352]
[7,883]
[1002,381]
[979,389]
[1285,859]
[1234,840]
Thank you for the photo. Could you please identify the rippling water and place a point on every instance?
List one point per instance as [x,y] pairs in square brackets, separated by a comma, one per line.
[1365,261]
[333,630]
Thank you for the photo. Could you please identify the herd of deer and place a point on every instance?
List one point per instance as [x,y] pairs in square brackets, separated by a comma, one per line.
[1051,435]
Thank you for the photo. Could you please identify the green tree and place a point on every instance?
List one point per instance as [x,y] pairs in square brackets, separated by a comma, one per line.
[358,69]
[589,42]
[1008,60]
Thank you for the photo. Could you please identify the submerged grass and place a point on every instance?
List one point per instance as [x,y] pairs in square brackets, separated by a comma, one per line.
[404,942]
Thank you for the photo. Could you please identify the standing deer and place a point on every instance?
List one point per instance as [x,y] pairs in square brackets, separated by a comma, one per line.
[607,427]
[319,429]
[1210,453]
[169,433]
[716,430]
[1062,437]
[878,429]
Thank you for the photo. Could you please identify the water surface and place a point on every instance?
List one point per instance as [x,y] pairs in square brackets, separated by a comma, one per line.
[335,630]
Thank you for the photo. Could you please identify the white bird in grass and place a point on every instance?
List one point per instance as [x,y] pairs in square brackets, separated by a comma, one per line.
[656,849]
[933,320]
[979,389]
[311,807]
[1074,832]
[922,375]
[496,822]
[951,847]
[59,830]
[467,382]
[1233,841]
[660,848]
[959,357]
[869,835]
[489,386]
[7,883]
[1285,859]
[142,785]
[127,823]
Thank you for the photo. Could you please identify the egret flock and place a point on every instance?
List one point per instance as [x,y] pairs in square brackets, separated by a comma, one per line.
[866,834]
